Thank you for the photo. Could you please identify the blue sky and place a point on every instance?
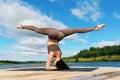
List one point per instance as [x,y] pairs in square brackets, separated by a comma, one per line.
[24,45]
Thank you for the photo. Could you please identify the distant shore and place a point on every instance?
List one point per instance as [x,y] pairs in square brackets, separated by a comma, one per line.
[71,59]
[95,59]
[96,54]
[19,62]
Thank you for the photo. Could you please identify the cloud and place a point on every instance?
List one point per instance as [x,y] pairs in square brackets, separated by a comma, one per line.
[87,10]
[22,56]
[16,12]
[12,13]
[106,43]
[32,44]
[116,15]
[77,38]
[1,31]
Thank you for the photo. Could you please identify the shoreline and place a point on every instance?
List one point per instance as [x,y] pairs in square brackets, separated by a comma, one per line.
[70,64]
[75,73]
[112,58]
[43,68]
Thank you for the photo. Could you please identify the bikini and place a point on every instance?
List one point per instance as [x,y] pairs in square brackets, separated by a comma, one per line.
[57,36]
[60,64]
[53,48]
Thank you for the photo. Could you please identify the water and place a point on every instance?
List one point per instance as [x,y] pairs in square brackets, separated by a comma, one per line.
[96,64]
[8,66]
[80,64]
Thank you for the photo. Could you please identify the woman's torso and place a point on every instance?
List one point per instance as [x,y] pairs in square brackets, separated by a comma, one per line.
[53,47]
[51,42]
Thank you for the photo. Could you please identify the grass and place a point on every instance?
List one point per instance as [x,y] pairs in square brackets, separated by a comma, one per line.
[96,59]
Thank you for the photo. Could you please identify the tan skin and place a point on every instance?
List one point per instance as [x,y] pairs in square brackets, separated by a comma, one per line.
[57,55]
[54,54]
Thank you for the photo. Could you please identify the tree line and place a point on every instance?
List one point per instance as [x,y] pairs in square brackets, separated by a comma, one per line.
[96,52]
[19,62]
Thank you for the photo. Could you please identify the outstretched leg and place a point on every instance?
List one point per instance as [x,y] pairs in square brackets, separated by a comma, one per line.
[44,31]
[67,32]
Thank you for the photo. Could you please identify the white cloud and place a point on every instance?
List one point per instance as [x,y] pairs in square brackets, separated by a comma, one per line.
[1,31]
[22,56]
[106,43]
[32,40]
[77,38]
[116,15]
[16,12]
[13,13]
[32,44]
[87,10]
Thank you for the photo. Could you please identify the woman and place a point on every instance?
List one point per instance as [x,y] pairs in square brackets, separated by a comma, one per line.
[54,36]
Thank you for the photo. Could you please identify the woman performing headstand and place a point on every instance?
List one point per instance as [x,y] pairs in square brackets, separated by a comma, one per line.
[54,36]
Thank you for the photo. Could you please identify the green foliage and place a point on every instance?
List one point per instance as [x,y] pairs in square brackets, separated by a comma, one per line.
[96,59]
[96,52]
[76,59]
[19,62]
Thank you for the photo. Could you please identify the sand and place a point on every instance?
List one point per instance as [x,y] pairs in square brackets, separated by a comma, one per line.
[75,73]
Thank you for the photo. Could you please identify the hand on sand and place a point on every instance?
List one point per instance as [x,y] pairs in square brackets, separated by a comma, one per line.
[20,26]
[99,27]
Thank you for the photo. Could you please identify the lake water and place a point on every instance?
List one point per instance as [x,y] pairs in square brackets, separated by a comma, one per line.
[79,64]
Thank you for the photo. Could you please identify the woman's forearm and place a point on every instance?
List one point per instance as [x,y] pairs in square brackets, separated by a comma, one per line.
[51,68]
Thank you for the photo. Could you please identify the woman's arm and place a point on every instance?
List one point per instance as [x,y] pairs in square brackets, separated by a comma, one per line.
[51,68]
[48,62]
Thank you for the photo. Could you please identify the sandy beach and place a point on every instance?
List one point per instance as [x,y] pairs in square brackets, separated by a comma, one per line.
[75,73]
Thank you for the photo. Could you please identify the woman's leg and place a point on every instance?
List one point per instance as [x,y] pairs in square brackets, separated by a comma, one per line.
[45,31]
[67,32]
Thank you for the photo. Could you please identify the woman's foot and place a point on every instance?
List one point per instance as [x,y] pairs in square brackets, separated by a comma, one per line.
[99,27]
[20,26]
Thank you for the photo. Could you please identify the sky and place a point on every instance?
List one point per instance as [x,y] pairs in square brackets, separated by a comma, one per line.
[25,45]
